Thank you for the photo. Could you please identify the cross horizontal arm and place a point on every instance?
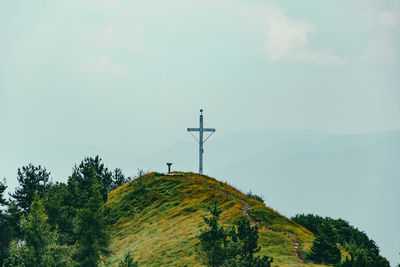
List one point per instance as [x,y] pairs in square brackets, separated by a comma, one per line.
[208,129]
[193,129]
[198,129]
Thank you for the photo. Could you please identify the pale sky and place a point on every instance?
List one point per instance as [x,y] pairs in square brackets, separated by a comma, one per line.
[112,71]
[133,74]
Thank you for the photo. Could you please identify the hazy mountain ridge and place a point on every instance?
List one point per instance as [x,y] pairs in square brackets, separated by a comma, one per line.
[354,177]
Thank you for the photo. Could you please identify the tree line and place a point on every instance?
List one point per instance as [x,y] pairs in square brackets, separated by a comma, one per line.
[57,224]
[67,224]
[335,234]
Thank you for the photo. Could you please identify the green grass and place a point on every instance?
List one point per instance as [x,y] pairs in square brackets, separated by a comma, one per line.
[157,217]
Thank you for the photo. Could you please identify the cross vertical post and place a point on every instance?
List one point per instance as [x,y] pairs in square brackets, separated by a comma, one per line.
[201,144]
[201,140]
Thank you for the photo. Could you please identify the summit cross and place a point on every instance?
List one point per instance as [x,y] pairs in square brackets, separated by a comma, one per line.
[201,130]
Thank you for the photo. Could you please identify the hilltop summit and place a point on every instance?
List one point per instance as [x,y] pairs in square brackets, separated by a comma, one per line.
[157,217]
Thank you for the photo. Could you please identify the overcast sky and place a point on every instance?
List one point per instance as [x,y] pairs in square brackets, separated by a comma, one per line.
[132,75]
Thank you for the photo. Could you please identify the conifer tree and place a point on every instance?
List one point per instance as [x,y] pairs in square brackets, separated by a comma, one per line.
[248,237]
[245,240]
[118,178]
[39,245]
[5,235]
[13,218]
[3,201]
[324,249]
[36,230]
[128,261]
[32,179]
[360,257]
[59,207]
[213,239]
[79,185]
[9,223]
[91,229]
[232,247]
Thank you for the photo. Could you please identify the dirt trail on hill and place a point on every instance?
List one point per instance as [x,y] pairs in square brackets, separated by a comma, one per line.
[245,210]
[296,247]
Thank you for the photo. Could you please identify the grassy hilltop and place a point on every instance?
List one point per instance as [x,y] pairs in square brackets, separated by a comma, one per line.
[157,217]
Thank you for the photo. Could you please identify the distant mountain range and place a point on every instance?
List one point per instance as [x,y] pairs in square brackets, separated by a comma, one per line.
[354,177]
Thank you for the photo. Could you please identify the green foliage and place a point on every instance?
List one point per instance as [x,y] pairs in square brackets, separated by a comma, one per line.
[74,197]
[244,245]
[60,211]
[35,229]
[39,247]
[31,180]
[163,220]
[256,197]
[3,201]
[118,179]
[235,246]
[140,184]
[46,231]
[19,255]
[324,249]
[361,257]
[9,227]
[213,239]
[128,261]
[12,218]
[343,231]
[140,181]
[80,185]
[331,232]
[5,227]
[91,229]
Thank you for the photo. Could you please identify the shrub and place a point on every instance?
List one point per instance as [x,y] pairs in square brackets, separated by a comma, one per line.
[256,197]
[233,246]
[128,261]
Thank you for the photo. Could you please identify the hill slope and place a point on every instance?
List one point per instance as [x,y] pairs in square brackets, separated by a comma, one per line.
[157,217]
[340,175]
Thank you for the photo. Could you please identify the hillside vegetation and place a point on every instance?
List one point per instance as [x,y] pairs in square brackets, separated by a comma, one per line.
[102,218]
[157,218]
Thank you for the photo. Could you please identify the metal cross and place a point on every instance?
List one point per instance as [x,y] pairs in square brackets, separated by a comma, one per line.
[201,130]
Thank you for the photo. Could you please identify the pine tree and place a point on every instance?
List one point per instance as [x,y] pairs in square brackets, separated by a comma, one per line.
[58,203]
[13,218]
[245,239]
[213,239]
[91,229]
[36,230]
[39,246]
[5,233]
[118,178]
[248,237]
[31,180]
[361,257]
[231,247]
[324,249]
[128,261]
[79,183]
[3,201]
